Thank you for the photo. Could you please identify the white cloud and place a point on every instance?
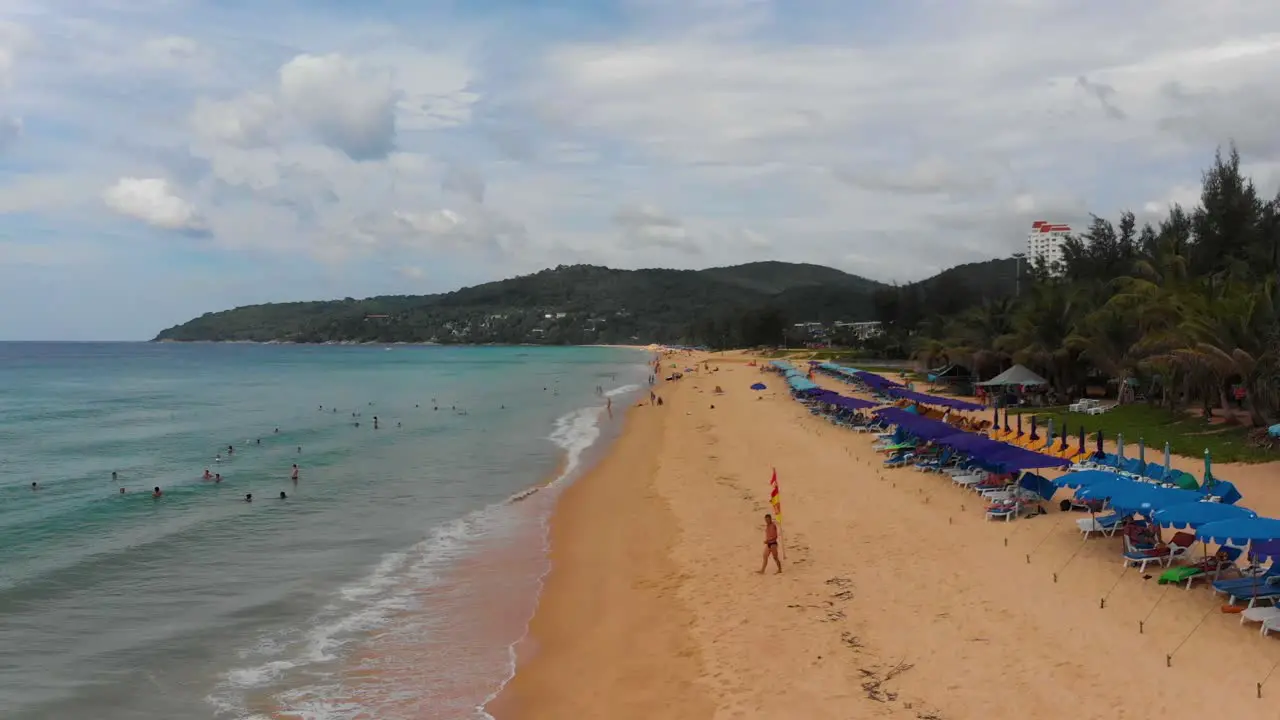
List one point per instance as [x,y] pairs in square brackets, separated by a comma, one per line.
[15,39]
[347,106]
[251,120]
[10,131]
[645,226]
[153,201]
[892,141]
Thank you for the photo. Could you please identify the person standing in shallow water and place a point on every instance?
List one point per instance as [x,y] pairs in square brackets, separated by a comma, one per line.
[770,544]
[294,474]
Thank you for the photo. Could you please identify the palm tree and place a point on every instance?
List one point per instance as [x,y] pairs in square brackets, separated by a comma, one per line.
[1040,330]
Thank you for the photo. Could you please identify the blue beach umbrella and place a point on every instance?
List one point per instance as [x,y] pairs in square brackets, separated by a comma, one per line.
[1241,531]
[1146,498]
[758,386]
[1103,488]
[1197,514]
[1086,478]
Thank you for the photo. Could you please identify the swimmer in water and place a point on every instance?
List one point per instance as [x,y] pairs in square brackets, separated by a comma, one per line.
[114,476]
[217,477]
[299,449]
[283,496]
[248,497]
[294,474]
[217,458]
[156,493]
[259,442]
[207,476]
[121,491]
[230,450]
[35,486]
[277,430]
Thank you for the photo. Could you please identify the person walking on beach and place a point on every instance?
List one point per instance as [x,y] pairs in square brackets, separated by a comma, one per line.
[608,406]
[770,544]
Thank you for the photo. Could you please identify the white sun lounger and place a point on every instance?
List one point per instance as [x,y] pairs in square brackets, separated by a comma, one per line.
[1264,615]
[1270,624]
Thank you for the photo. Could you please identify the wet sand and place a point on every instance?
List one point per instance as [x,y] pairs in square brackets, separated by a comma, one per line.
[610,625]
[898,599]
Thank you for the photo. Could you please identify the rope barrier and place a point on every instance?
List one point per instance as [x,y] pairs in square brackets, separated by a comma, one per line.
[1168,659]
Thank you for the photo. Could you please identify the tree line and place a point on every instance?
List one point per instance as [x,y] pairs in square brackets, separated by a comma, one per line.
[1183,311]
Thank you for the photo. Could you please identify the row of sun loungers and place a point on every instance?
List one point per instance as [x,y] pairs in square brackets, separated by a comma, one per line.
[1258,589]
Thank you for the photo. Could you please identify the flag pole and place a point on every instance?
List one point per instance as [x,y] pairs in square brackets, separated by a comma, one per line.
[776,502]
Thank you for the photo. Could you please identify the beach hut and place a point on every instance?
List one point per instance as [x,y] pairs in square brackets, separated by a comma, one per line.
[1016,379]
[1016,375]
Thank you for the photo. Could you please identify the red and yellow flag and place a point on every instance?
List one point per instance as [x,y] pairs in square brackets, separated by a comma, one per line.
[773,497]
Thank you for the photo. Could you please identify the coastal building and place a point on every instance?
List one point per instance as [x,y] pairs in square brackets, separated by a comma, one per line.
[861,330]
[1045,241]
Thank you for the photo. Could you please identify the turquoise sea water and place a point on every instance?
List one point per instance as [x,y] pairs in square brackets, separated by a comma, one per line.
[391,581]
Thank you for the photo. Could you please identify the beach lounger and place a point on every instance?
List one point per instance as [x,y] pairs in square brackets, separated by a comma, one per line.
[1003,510]
[1206,568]
[1271,575]
[1270,623]
[1178,546]
[1266,593]
[1265,615]
[1107,524]
[936,464]
[899,460]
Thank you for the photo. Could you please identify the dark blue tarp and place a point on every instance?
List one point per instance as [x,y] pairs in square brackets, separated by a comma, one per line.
[926,399]
[875,381]
[985,450]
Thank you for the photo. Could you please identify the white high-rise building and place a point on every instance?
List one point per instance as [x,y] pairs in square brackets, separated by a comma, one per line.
[1045,241]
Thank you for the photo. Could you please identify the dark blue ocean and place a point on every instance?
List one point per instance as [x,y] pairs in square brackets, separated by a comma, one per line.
[389,584]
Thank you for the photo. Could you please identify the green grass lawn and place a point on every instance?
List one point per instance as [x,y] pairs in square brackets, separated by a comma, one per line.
[1187,436]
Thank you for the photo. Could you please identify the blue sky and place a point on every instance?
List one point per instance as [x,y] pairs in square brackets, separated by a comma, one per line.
[164,158]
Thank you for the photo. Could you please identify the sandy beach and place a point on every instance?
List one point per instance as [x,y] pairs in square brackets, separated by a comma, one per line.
[898,599]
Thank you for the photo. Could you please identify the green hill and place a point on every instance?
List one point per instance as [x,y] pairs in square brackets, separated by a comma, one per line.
[570,304]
